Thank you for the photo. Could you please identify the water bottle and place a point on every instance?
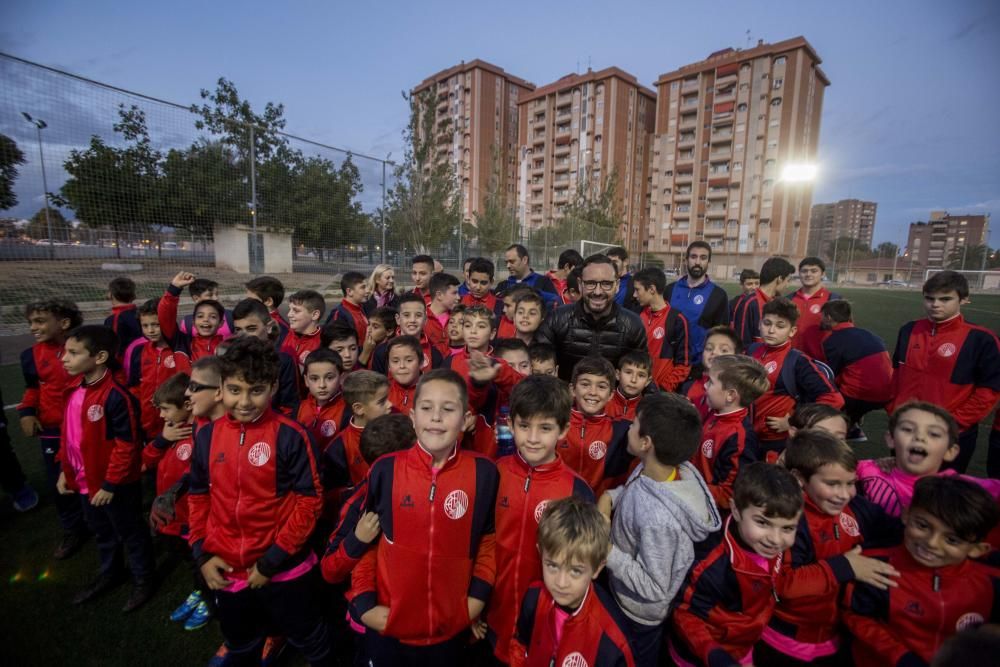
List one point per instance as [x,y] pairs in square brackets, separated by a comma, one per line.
[505,437]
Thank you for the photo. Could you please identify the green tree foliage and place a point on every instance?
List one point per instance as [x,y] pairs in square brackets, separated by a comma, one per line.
[967,258]
[848,249]
[10,157]
[886,249]
[595,211]
[38,226]
[497,224]
[324,199]
[204,186]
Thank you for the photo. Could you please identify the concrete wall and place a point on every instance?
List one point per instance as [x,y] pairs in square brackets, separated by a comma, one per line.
[232,250]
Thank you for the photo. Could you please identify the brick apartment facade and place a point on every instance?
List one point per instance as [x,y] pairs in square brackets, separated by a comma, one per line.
[931,243]
[848,217]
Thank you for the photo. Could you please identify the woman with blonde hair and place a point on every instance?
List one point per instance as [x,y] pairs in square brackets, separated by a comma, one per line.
[382,287]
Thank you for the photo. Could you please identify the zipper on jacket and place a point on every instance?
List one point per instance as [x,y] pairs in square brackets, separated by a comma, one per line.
[239,491]
[430,556]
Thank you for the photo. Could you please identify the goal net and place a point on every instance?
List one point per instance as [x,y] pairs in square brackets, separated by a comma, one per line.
[982,281]
[588,248]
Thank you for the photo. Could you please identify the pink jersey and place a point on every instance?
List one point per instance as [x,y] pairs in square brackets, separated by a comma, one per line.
[893,490]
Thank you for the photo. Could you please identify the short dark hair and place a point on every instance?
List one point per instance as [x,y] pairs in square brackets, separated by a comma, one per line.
[309,298]
[783,308]
[411,297]
[617,252]
[267,287]
[509,345]
[926,406]
[769,486]
[962,505]
[838,310]
[411,342]
[728,332]
[598,259]
[638,358]
[444,375]
[482,265]
[96,338]
[440,282]
[122,289]
[594,365]
[744,375]
[386,434]
[387,316]
[672,424]
[573,278]
[811,449]
[149,308]
[774,268]
[522,252]
[251,308]
[481,311]
[807,415]
[517,291]
[748,274]
[210,364]
[61,309]
[531,297]
[219,309]
[253,360]
[542,352]
[362,385]
[541,396]
[651,277]
[970,647]
[569,257]
[323,355]
[352,279]
[812,261]
[335,331]
[699,244]
[947,281]
[201,285]
[423,259]
[171,392]
[467,261]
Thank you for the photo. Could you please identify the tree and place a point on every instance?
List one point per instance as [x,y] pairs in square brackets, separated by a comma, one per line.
[324,199]
[595,211]
[886,249]
[204,186]
[38,226]
[10,157]
[848,249]
[233,119]
[496,223]
[967,258]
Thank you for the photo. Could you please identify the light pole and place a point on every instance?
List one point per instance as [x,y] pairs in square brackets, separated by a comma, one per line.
[382,212]
[39,126]
[796,173]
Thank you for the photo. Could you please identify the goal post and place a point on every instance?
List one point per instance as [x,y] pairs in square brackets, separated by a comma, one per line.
[988,280]
[588,248]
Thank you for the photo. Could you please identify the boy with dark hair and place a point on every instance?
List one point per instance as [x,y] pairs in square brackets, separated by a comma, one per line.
[730,594]
[946,360]
[381,327]
[480,282]
[252,552]
[573,291]
[203,337]
[410,320]
[343,340]
[271,292]
[940,590]
[774,276]
[567,619]
[568,260]
[529,480]
[42,407]
[626,285]
[305,310]
[443,288]
[543,359]
[203,289]
[719,340]
[809,299]
[463,289]
[515,353]
[404,361]
[101,457]
[529,311]
[505,323]
[123,319]
[366,394]
[350,311]
[323,412]
[422,270]
[749,281]
[666,330]
[656,518]
[251,318]
[634,375]
[728,442]
[456,326]
[859,361]
[793,376]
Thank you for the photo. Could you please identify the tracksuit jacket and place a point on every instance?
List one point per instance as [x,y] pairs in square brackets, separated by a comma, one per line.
[401,397]
[596,448]
[489,301]
[704,307]
[695,393]
[150,366]
[124,321]
[892,488]
[859,361]
[906,625]
[728,443]
[809,337]
[536,281]
[342,464]
[254,495]
[352,315]
[746,316]
[47,385]
[299,346]
[194,345]
[172,461]
[437,547]
[622,407]
[523,493]
[668,340]
[344,550]
[380,356]
[324,422]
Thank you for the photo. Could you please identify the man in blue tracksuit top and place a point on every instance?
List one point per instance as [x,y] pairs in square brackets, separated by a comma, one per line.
[701,301]
[519,264]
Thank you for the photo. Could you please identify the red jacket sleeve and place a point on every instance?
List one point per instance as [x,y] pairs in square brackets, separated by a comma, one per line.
[976,408]
[166,312]
[153,452]
[29,402]
[860,617]
[695,632]
[344,550]
[364,591]
[814,385]
[727,467]
[123,423]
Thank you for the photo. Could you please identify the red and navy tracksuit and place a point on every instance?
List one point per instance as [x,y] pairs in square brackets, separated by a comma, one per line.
[695,392]
[299,345]
[505,328]
[172,461]
[342,464]
[622,407]
[124,321]
[425,294]
[344,550]
[747,314]
[559,284]
[808,336]
[906,625]
[669,347]
[401,397]
[150,366]
[436,332]
[484,398]
[47,386]
[861,366]
[596,448]
[953,364]
[547,634]
[728,443]
[190,342]
[352,315]
[380,356]
[437,550]
[253,501]
[282,324]
[524,492]
[490,302]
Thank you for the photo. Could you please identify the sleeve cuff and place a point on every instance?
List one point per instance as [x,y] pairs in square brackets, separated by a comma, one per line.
[717,657]
[110,487]
[159,442]
[841,568]
[363,603]
[270,563]
[27,412]
[910,660]
[479,589]
[353,547]
[173,290]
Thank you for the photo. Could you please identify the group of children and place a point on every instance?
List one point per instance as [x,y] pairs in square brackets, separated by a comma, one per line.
[424,464]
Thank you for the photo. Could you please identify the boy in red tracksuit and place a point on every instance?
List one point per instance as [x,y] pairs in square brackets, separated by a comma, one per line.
[366,394]
[941,589]
[271,292]
[101,457]
[443,288]
[251,318]
[209,315]
[47,385]
[568,619]
[405,356]
[748,311]
[801,382]
[254,499]
[123,320]
[634,376]
[422,270]
[945,360]
[431,574]
[719,340]
[505,322]
[730,594]
[666,330]
[835,524]
[810,299]
[305,310]
[350,311]
[728,442]
[323,413]
[480,282]
[150,365]
[596,446]
[529,480]
[410,319]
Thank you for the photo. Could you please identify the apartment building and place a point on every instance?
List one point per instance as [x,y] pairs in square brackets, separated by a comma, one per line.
[581,129]
[725,129]
[476,106]
[852,218]
[931,243]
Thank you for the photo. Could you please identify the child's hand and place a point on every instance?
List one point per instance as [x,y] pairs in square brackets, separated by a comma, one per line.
[481,367]
[778,424]
[479,630]
[369,344]
[30,426]
[376,618]
[604,505]
[175,432]
[256,579]
[368,528]
[212,572]
[163,510]
[182,279]
[61,485]
[102,498]
[870,570]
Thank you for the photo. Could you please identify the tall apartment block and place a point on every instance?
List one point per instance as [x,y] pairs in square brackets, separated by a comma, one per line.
[725,128]
[581,129]
[847,217]
[476,107]
[931,243]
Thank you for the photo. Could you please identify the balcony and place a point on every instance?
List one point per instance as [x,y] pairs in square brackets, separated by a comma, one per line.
[720,137]
[688,121]
[718,193]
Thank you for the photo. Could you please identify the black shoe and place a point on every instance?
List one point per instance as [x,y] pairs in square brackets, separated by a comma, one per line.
[69,545]
[142,591]
[102,584]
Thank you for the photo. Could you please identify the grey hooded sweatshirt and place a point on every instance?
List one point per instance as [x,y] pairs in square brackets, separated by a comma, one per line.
[654,526]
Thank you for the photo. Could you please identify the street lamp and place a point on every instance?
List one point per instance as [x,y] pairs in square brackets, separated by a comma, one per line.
[796,172]
[382,212]
[39,126]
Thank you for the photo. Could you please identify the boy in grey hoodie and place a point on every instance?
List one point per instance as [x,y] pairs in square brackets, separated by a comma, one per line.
[656,518]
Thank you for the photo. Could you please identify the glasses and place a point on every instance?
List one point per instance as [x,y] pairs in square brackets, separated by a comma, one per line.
[195,387]
[605,285]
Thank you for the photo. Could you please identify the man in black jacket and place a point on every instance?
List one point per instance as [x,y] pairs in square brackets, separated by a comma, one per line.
[595,325]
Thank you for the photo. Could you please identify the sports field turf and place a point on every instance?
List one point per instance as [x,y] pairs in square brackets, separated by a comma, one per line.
[40,628]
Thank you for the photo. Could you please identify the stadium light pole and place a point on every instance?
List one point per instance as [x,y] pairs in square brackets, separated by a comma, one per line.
[39,126]
[385,162]
[798,173]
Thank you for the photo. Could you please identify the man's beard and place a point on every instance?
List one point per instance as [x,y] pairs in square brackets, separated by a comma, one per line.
[696,271]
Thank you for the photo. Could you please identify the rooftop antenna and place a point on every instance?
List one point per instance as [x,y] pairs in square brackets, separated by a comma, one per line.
[588,63]
[748,38]
[577,65]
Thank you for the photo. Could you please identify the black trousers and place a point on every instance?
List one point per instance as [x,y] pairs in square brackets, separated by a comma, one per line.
[856,408]
[966,448]
[993,453]
[286,608]
[382,651]
[117,525]
[11,475]
[71,516]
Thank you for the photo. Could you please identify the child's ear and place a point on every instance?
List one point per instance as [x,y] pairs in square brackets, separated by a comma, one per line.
[469,421]
[102,357]
[799,478]
[951,453]
[65,324]
[358,408]
[889,442]
[618,376]
[791,332]
[733,511]
[598,570]
[980,549]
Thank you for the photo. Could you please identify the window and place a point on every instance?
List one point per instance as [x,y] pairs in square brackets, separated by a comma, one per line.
[776,102]
[777,83]
[780,60]
[674,85]
[737,165]
[742,107]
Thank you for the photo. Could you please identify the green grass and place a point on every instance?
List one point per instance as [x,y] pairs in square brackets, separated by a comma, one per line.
[42,628]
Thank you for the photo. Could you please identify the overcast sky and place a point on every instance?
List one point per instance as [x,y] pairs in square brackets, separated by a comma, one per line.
[910,120]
